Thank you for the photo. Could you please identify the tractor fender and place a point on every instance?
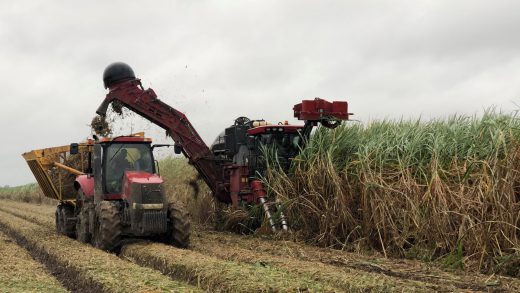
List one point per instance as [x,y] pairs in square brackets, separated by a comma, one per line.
[86,183]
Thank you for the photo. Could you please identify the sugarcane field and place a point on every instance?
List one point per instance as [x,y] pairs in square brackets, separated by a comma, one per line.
[260,146]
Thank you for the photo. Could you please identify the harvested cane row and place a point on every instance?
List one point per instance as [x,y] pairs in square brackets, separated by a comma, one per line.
[19,272]
[204,271]
[342,270]
[82,268]
[33,209]
[173,261]
[208,272]
[336,266]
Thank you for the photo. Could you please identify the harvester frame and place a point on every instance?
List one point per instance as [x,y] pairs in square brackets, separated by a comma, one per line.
[132,203]
[231,181]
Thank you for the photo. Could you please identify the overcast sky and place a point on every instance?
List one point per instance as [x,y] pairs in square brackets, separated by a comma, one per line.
[216,60]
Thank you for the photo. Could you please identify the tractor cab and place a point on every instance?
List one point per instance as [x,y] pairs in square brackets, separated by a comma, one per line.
[124,173]
[125,164]
[120,156]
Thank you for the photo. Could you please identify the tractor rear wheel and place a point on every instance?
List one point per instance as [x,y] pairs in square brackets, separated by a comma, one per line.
[107,236]
[178,226]
[82,225]
[59,219]
[69,225]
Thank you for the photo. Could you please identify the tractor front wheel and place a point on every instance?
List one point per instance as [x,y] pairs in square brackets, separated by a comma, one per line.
[178,226]
[107,234]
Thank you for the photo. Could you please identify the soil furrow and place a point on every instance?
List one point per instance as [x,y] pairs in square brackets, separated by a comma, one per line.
[168,263]
[216,274]
[328,265]
[19,272]
[211,273]
[81,268]
[399,268]
[327,272]
[337,268]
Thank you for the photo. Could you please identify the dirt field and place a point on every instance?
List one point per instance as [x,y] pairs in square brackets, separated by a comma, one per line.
[216,261]
[20,273]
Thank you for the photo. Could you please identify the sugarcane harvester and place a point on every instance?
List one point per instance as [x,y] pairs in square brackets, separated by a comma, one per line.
[109,188]
[233,165]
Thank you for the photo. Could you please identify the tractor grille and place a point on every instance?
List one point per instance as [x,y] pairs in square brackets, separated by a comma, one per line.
[152,194]
[154,221]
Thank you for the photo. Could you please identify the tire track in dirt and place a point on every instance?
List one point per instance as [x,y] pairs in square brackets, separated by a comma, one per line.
[333,266]
[215,274]
[327,272]
[304,274]
[345,277]
[209,272]
[19,272]
[262,247]
[81,268]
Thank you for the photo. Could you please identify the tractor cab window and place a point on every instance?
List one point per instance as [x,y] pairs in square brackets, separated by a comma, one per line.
[286,146]
[284,143]
[121,157]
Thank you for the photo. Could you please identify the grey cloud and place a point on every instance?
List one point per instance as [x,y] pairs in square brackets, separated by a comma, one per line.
[216,60]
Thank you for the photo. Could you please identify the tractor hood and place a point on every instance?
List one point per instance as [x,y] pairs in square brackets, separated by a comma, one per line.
[141,177]
[142,187]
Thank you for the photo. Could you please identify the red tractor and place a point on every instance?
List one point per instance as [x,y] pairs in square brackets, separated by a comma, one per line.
[108,190]
[122,196]
[232,167]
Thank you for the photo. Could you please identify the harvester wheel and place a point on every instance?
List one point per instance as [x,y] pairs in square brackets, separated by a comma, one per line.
[107,236]
[68,224]
[59,219]
[82,228]
[178,226]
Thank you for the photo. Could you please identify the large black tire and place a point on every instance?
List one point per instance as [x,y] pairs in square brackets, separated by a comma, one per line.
[107,234]
[69,225]
[82,224]
[178,226]
[59,219]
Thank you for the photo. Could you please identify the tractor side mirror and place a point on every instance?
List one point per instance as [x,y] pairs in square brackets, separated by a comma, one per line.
[177,149]
[74,149]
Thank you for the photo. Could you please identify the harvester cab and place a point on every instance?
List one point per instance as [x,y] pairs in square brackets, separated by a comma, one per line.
[247,141]
[244,148]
